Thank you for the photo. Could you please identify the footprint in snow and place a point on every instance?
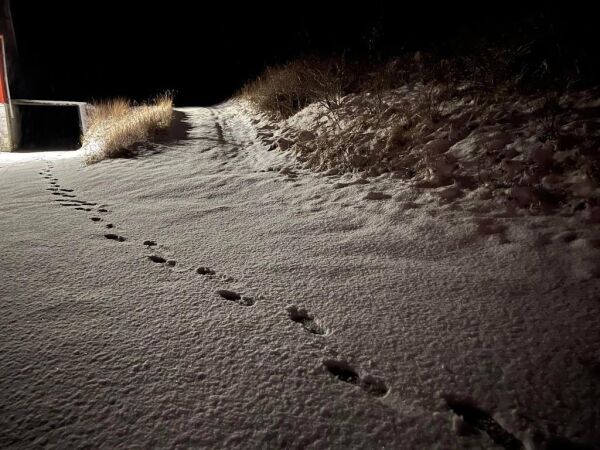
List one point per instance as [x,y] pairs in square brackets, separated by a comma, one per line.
[205,271]
[161,260]
[307,320]
[95,219]
[373,195]
[114,237]
[157,259]
[342,371]
[150,243]
[473,419]
[232,296]
[109,225]
[102,210]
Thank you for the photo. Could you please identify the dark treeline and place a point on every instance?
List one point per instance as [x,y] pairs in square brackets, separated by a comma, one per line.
[92,50]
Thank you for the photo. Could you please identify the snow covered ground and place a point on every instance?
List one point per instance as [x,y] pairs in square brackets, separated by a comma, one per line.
[214,294]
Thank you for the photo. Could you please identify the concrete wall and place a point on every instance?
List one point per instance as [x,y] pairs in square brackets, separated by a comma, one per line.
[10,125]
[5,130]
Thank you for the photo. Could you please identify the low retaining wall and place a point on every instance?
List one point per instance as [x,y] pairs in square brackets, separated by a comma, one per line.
[10,124]
[6,144]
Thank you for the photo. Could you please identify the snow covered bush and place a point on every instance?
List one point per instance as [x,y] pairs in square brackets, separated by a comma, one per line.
[537,152]
[116,126]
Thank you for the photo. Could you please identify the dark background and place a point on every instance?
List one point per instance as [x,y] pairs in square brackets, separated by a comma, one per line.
[205,51]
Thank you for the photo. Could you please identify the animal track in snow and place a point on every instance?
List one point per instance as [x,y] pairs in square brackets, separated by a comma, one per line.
[95,219]
[161,260]
[476,418]
[157,259]
[114,237]
[374,386]
[102,210]
[109,225]
[373,195]
[307,320]
[232,296]
[342,371]
[79,208]
[205,271]
[150,243]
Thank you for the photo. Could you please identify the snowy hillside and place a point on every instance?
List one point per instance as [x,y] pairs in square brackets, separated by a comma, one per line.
[217,293]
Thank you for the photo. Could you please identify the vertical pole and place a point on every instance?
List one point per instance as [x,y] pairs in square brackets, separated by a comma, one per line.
[5,95]
[3,74]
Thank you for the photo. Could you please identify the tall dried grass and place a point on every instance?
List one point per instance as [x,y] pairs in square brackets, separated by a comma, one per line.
[117,126]
[284,90]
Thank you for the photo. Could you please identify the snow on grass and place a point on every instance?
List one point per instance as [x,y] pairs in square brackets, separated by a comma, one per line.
[116,126]
[528,152]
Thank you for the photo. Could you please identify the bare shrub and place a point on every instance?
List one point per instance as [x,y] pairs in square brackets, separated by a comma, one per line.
[117,125]
[284,90]
[328,82]
[280,91]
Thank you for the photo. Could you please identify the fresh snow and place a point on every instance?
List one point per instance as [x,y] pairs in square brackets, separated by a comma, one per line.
[239,300]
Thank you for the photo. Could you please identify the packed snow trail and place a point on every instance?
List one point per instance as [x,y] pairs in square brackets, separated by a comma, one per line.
[211,294]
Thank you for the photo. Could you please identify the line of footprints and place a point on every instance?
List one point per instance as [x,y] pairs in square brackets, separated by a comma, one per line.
[340,370]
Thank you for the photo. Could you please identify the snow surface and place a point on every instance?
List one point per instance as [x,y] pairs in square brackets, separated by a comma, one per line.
[275,280]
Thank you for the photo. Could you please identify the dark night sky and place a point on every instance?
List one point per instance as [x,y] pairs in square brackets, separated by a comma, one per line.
[95,49]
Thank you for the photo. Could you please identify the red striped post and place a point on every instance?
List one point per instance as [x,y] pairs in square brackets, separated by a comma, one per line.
[3,77]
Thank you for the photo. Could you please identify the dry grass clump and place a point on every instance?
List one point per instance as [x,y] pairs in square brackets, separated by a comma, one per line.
[117,126]
[279,90]
[284,90]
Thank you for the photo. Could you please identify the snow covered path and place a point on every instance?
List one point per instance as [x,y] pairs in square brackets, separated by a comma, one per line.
[410,308]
